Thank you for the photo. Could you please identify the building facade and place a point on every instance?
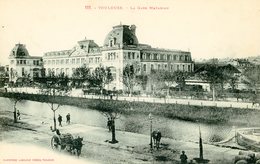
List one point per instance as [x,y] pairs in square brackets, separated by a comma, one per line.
[22,65]
[121,47]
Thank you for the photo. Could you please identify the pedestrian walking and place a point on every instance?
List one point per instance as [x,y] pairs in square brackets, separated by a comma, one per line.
[183,158]
[18,115]
[109,124]
[60,120]
[68,118]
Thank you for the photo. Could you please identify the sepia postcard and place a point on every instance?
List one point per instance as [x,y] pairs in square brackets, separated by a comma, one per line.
[129,81]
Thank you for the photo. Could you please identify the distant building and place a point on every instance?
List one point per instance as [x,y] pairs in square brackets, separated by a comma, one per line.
[22,65]
[240,63]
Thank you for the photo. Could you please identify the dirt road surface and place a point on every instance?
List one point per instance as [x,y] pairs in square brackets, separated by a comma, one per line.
[30,139]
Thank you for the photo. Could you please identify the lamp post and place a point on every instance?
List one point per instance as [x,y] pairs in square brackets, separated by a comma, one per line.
[151,129]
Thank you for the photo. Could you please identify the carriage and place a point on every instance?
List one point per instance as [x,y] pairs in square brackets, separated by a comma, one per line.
[67,142]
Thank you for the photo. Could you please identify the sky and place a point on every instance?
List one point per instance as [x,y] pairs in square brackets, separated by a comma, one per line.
[207,28]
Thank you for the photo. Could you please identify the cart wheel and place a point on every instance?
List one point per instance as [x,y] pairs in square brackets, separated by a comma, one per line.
[55,143]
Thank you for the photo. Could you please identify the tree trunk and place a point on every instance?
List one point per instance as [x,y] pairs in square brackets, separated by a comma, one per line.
[130,93]
[15,115]
[213,93]
[54,120]
[113,131]
[201,148]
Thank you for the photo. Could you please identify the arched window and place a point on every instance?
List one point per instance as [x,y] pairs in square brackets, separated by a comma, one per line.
[188,68]
[152,67]
[155,56]
[148,56]
[144,67]
[113,72]
[161,56]
[186,58]
[168,57]
[133,55]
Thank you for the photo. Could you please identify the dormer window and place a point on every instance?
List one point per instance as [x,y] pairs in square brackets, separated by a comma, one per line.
[114,41]
[110,43]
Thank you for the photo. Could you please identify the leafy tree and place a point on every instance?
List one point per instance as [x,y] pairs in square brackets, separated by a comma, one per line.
[131,77]
[171,78]
[3,78]
[213,75]
[43,72]
[81,75]
[252,75]
[233,81]
[100,77]
[26,79]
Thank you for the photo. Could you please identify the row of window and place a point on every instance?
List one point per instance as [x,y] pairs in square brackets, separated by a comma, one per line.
[60,70]
[24,62]
[67,71]
[168,57]
[72,61]
[131,55]
[111,56]
[178,67]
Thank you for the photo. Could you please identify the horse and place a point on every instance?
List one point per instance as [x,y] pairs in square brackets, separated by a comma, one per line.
[156,138]
[77,145]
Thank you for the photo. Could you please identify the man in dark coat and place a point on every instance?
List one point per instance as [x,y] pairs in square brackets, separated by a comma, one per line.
[68,118]
[18,115]
[60,120]
[109,124]
[183,158]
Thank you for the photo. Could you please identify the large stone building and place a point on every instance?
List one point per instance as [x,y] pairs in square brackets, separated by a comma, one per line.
[121,47]
[22,65]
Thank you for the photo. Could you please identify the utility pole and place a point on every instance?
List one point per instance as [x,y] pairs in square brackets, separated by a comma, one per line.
[151,130]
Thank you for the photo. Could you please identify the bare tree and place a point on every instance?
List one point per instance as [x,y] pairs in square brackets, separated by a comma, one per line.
[131,77]
[111,113]
[16,97]
[54,86]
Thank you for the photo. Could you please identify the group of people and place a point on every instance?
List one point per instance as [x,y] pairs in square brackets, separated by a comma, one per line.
[60,119]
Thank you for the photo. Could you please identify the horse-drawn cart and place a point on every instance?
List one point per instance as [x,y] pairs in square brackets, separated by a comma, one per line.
[67,142]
